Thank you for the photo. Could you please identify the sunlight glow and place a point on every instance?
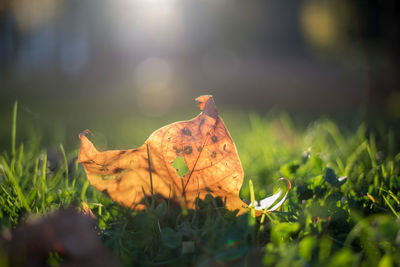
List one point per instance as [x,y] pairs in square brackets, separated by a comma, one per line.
[157,21]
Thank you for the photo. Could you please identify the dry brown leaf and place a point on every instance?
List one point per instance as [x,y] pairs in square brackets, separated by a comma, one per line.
[66,232]
[203,144]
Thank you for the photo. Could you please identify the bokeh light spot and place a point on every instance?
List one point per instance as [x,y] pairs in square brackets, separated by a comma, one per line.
[30,14]
[318,24]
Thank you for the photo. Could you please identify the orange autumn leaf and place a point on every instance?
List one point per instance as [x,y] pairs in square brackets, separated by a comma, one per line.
[182,161]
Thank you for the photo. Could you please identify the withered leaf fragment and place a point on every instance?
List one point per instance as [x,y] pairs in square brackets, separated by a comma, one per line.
[209,153]
[66,232]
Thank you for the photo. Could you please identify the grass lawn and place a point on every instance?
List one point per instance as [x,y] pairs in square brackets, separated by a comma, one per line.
[343,208]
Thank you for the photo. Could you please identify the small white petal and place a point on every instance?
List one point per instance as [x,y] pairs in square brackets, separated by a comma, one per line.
[267,202]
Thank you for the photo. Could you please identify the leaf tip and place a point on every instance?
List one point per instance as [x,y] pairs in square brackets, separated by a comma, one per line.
[207,105]
[202,100]
[84,133]
[87,149]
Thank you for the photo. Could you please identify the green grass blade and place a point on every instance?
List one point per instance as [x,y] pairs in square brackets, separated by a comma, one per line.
[14,181]
[252,198]
[44,182]
[391,207]
[65,165]
[14,128]
[150,175]
[353,157]
[84,189]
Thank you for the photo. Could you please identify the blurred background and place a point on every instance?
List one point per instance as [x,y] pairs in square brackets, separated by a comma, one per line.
[76,64]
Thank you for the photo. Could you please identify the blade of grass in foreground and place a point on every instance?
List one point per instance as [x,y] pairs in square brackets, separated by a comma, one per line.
[252,199]
[14,181]
[44,184]
[14,129]
[390,206]
[84,189]
[65,165]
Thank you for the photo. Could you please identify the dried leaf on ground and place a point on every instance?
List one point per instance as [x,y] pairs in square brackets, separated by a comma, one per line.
[180,162]
[65,232]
